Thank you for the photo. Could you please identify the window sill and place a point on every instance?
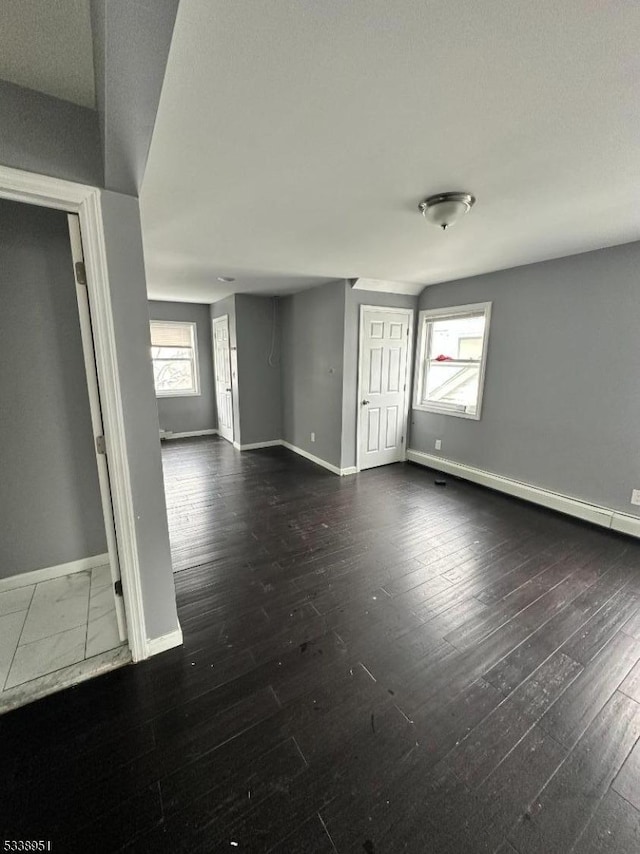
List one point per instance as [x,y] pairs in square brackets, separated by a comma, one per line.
[178,394]
[436,410]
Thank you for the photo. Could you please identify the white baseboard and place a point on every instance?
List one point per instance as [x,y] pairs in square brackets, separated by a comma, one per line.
[604,516]
[168,434]
[317,460]
[35,576]
[253,446]
[625,524]
[164,642]
[272,443]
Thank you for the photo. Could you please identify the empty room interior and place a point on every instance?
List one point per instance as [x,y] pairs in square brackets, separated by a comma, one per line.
[320,457]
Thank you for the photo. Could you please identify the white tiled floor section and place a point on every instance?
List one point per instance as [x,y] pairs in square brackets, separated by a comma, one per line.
[48,626]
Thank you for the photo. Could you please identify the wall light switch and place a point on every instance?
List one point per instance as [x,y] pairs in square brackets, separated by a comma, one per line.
[635,496]
[313,437]
[438,444]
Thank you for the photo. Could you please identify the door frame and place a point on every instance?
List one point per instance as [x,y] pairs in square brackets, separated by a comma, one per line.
[215,320]
[84,200]
[97,425]
[410,312]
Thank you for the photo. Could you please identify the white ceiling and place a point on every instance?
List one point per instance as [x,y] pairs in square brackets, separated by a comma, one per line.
[295,138]
[46,45]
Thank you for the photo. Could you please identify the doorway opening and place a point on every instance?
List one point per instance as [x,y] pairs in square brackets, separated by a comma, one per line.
[62,616]
[223,376]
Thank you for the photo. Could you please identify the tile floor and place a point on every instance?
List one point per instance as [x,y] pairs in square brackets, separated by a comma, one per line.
[47,627]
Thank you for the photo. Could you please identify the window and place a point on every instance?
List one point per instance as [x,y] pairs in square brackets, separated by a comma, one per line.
[451,360]
[174,352]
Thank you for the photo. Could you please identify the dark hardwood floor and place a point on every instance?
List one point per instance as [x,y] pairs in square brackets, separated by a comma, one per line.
[371,664]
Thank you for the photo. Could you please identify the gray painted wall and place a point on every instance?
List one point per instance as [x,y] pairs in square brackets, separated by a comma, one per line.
[130,310]
[561,403]
[49,493]
[189,414]
[259,383]
[131,44]
[49,136]
[108,146]
[312,330]
[219,309]
[257,389]
[353,301]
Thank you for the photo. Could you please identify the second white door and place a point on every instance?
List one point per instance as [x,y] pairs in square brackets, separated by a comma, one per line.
[383,385]
[222,360]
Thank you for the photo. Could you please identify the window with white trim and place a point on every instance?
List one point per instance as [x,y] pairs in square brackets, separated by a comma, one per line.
[452,355]
[174,351]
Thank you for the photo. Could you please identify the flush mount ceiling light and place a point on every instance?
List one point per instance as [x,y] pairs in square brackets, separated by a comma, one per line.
[226,279]
[445,209]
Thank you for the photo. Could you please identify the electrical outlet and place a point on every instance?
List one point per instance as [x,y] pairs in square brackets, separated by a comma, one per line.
[313,437]
[635,496]
[438,444]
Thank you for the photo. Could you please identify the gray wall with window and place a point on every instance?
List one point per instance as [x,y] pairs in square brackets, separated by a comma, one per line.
[189,413]
[561,407]
[49,492]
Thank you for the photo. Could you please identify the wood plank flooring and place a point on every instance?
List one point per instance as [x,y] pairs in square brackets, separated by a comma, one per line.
[371,664]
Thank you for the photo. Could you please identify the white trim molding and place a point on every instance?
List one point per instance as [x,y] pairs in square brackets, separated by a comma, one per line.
[35,576]
[317,460]
[254,446]
[167,435]
[594,513]
[165,642]
[95,254]
[624,523]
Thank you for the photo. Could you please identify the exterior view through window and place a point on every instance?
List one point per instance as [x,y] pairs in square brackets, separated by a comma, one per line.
[175,361]
[452,356]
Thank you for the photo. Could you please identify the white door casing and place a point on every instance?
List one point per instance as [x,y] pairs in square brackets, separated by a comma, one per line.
[95,407]
[222,367]
[45,191]
[384,365]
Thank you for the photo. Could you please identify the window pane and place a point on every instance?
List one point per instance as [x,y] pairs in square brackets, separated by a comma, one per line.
[167,334]
[173,376]
[174,357]
[456,338]
[171,353]
[453,385]
[470,348]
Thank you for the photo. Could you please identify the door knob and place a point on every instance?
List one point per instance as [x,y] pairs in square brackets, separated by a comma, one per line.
[365,403]
[227,389]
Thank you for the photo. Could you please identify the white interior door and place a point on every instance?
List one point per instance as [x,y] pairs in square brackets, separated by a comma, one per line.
[96,418]
[222,364]
[383,388]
